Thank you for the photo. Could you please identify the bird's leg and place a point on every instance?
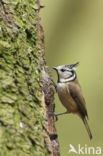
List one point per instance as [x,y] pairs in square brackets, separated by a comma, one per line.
[57,114]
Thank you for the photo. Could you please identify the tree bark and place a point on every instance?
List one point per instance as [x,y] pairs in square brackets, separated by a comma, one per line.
[26,94]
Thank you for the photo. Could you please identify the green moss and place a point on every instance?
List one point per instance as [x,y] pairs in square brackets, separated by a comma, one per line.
[21,112]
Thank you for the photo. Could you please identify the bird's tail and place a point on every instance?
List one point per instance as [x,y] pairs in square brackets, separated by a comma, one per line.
[87,128]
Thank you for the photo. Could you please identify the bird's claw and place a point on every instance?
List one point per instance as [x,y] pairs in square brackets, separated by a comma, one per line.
[55,115]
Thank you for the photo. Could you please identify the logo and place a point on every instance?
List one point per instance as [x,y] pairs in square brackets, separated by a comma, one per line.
[85,149]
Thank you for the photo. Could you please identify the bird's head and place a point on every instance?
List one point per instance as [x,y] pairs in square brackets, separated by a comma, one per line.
[66,73]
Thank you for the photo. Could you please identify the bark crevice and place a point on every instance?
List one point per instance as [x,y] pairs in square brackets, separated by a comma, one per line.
[51,136]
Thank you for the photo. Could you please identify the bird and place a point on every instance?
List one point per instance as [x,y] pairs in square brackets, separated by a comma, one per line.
[70,93]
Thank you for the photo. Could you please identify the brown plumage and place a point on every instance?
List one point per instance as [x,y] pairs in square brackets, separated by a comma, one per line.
[70,94]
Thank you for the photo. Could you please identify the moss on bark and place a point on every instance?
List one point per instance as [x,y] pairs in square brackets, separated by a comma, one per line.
[21,110]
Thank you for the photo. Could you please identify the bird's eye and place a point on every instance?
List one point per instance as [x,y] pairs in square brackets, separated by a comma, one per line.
[63,70]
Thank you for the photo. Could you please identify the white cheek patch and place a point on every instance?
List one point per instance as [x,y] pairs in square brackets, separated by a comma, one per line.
[71,78]
[67,74]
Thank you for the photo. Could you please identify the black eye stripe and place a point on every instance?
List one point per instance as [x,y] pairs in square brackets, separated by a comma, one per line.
[63,70]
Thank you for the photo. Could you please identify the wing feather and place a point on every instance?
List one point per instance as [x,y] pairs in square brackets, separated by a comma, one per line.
[76,93]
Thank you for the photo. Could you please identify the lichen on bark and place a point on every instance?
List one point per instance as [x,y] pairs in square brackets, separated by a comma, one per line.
[21,111]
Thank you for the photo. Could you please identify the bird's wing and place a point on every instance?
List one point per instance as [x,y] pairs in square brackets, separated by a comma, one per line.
[77,96]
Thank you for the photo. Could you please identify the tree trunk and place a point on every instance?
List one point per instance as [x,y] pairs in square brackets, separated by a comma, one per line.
[26,94]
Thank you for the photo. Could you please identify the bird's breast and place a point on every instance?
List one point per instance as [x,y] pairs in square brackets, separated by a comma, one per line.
[65,97]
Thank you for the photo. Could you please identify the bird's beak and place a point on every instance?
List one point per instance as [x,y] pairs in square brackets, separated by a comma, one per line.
[54,68]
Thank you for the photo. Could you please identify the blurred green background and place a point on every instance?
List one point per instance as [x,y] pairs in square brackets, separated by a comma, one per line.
[74,32]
